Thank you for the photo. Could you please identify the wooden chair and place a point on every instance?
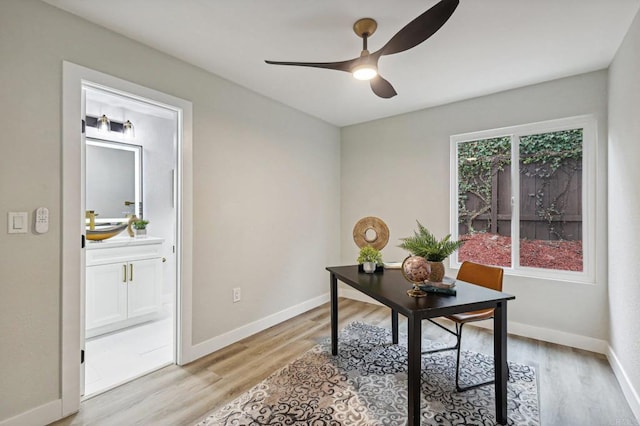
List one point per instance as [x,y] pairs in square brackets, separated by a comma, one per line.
[474,273]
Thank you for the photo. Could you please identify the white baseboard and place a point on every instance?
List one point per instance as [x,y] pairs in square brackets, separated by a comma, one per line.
[519,329]
[42,415]
[628,389]
[205,348]
[552,336]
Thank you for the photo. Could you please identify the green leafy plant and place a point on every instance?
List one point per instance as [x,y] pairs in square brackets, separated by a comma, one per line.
[425,244]
[140,224]
[369,254]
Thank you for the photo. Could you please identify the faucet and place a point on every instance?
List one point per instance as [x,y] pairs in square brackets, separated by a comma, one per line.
[91,215]
[132,218]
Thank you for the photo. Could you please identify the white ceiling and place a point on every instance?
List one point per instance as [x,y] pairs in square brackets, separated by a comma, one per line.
[487,46]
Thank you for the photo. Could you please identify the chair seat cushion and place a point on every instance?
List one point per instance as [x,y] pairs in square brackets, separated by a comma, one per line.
[482,314]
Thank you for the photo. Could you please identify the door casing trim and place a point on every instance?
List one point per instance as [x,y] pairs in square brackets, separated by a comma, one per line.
[74,77]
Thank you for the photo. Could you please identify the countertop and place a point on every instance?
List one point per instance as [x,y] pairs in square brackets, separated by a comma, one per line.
[125,241]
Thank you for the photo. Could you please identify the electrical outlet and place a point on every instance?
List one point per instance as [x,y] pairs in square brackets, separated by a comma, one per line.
[236,294]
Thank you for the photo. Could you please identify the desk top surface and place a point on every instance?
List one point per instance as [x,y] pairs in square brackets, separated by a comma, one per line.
[390,288]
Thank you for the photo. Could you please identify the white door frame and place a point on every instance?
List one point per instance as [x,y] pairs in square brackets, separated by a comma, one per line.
[74,76]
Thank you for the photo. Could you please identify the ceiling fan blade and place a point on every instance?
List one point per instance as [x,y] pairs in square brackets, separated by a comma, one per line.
[382,87]
[340,66]
[421,28]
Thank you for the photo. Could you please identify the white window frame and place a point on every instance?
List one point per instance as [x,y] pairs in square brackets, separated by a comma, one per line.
[589,146]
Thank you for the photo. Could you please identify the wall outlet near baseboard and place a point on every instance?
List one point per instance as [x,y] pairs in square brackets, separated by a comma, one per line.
[236,294]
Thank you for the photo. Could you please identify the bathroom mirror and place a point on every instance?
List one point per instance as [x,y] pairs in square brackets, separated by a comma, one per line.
[113,180]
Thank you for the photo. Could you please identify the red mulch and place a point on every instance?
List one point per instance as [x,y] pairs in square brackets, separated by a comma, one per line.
[494,249]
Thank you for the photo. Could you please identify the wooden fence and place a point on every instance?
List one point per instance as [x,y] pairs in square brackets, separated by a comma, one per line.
[550,205]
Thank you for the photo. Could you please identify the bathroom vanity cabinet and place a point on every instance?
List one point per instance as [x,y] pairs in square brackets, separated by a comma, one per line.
[123,283]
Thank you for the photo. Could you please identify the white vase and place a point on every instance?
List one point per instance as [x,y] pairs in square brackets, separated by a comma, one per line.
[369,267]
[141,233]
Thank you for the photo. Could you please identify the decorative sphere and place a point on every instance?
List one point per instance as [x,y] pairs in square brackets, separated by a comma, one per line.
[416,269]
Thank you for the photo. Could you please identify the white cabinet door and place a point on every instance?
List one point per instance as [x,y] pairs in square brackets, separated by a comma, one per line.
[106,294]
[145,280]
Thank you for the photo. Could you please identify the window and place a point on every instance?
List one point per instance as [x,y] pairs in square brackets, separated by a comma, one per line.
[523,198]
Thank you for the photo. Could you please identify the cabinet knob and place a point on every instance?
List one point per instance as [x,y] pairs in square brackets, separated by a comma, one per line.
[164,259]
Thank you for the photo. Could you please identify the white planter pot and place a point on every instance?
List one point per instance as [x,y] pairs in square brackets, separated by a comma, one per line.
[369,267]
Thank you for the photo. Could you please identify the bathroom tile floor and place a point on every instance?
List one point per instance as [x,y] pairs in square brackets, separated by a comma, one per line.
[116,358]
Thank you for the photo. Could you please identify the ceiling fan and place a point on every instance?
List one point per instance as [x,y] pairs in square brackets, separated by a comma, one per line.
[365,67]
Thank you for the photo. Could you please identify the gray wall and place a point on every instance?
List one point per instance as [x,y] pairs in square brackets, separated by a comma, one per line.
[398,169]
[624,205]
[266,191]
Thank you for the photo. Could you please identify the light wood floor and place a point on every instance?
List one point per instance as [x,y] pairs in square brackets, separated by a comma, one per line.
[576,387]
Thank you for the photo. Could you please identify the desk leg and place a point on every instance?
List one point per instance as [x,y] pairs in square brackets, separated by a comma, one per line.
[500,359]
[334,314]
[414,348]
[394,326]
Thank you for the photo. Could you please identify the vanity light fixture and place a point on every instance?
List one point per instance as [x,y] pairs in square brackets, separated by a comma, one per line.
[103,125]
[127,130]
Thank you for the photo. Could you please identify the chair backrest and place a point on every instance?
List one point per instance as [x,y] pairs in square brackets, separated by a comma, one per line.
[486,276]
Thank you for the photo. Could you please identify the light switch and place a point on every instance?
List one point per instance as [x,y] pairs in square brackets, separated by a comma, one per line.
[17,222]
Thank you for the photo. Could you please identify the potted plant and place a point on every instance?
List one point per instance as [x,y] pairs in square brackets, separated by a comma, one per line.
[424,244]
[140,225]
[369,258]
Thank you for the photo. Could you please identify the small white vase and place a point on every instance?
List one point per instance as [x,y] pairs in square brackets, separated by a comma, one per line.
[141,233]
[369,267]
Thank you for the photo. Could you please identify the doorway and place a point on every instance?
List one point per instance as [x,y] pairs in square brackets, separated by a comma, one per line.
[75,79]
[130,279]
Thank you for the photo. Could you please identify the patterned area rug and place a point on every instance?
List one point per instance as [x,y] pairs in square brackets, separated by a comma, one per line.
[366,384]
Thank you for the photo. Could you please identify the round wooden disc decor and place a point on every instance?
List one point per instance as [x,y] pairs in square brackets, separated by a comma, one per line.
[371,231]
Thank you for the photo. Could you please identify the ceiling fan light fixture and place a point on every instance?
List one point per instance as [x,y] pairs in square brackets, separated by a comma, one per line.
[366,68]
[365,71]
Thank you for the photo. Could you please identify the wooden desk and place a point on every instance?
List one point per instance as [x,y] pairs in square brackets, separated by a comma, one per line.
[390,289]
